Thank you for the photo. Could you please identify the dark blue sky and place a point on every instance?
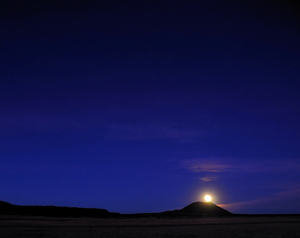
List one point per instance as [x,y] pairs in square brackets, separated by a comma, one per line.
[145,106]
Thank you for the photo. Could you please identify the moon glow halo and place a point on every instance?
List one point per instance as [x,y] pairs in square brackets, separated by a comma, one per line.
[207,198]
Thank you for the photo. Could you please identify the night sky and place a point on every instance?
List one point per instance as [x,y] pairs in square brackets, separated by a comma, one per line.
[146,106]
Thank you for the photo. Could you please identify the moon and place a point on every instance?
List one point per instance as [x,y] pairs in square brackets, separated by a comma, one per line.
[207,198]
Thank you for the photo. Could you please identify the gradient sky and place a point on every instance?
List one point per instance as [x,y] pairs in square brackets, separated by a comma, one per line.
[145,106]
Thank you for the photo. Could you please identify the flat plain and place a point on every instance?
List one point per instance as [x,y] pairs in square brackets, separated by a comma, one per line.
[248,226]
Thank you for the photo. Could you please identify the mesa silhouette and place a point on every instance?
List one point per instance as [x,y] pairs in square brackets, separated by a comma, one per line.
[53,211]
[196,209]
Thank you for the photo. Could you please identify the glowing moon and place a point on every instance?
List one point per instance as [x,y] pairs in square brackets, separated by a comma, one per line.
[207,198]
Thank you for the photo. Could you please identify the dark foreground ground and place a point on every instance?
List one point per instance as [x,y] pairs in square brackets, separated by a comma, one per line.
[252,226]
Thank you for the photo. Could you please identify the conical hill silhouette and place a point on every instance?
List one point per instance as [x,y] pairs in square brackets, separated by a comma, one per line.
[205,209]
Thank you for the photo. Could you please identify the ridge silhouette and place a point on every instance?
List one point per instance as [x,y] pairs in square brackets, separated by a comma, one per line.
[53,211]
[196,209]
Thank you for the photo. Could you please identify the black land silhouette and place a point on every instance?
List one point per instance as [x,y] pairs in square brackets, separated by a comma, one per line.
[53,211]
[196,209]
[205,208]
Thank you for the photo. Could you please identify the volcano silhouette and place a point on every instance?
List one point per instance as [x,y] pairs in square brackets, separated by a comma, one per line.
[204,209]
